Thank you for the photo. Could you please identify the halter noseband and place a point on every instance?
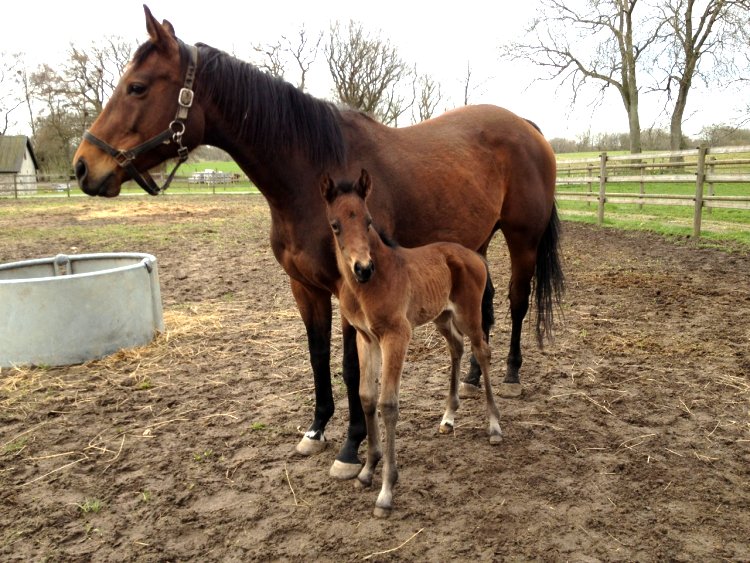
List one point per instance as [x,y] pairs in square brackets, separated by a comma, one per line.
[173,134]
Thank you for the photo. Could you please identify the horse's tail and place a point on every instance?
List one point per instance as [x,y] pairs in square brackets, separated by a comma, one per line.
[488,309]
[550,281]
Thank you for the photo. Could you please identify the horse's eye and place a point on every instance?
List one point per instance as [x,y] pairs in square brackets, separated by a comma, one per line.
[336,227]
[136,89]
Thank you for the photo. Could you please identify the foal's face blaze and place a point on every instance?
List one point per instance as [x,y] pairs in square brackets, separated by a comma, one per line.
[142,106]
[351,225]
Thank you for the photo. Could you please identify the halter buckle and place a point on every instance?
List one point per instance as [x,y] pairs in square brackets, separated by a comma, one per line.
[185,98]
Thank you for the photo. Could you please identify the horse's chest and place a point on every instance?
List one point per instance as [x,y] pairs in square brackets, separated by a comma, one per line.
[304,257]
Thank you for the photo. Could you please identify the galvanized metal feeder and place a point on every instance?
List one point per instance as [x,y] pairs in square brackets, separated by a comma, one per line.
[70,309]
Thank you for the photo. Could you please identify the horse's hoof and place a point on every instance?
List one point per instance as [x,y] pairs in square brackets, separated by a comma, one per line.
[496,439]
[446,428]
[380,512]
[343,471]
[310,446]
[511,390]
[468,390]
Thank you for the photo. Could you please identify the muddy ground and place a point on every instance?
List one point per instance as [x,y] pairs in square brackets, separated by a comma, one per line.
[630,442]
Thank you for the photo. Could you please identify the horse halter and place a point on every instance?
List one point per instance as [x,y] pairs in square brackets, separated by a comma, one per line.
[173,134]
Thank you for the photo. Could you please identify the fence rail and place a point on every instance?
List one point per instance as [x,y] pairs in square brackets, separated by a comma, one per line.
[702,168]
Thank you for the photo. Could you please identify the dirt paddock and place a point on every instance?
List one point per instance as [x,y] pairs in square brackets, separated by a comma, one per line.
[630,442]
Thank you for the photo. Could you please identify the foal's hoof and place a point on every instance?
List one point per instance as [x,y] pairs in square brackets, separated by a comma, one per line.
[446,428]
[468,390]
[511,390]
[311,446]
[344,471]
[496,439]
[380,512]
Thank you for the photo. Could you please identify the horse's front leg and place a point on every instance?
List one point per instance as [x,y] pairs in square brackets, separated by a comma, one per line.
[347,464]
[315,308]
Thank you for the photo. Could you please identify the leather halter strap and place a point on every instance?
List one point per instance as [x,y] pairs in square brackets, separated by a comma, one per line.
[173,134]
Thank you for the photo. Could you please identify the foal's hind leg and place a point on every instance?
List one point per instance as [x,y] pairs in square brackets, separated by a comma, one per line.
[455,342]
[469,387]
[482,352]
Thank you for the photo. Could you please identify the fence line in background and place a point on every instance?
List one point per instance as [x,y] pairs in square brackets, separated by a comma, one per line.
[700,167]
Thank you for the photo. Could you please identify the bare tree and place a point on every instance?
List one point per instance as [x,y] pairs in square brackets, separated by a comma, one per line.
[10,100]
[598,43]
[715,32]
[304,52]
[467,82]
[366,71]
[428,96]
[271,58]
[91,75]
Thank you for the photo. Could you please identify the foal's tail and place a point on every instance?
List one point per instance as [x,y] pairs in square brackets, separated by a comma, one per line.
[488,309]
[550,281]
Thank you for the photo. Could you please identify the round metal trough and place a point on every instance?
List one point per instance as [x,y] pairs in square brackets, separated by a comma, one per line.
[70,309]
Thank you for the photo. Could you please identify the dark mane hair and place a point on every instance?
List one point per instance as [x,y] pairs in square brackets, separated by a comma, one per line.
[268,112]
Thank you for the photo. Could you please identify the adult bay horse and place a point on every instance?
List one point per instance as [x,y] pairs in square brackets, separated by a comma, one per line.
[459,177]
[386,291]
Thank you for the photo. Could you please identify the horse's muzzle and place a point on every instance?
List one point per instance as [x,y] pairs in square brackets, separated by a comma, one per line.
[363,272]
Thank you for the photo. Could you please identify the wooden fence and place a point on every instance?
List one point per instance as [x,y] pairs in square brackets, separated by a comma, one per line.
[702,168]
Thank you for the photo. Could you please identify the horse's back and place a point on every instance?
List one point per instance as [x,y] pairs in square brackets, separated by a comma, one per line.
[458,176]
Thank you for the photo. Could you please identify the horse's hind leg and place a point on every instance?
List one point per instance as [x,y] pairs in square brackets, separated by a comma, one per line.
[455,342]
[523,263]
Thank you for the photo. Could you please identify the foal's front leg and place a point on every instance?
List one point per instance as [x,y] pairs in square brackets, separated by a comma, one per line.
[394,353]
[369,362]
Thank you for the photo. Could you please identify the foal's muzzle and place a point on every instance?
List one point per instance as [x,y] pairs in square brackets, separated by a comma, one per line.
[363,272]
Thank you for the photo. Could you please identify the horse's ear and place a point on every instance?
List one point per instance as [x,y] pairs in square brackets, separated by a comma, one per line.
[326,187]
[169,27]
[364,185]
[161,35]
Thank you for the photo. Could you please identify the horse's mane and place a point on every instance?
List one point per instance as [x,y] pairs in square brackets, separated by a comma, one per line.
[268,112]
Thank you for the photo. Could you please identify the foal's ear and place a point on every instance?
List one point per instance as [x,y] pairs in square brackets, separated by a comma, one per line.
[326,187]
[364,185]
[161,35]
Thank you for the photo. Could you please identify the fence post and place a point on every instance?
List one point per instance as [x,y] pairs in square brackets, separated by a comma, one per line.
[711,169]
[602,187]
[700,177]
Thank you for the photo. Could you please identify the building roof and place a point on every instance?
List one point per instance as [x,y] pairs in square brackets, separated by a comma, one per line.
[12,148]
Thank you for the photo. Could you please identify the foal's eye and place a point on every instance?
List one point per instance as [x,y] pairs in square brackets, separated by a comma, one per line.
[336,227]
[136,89]
[369,223]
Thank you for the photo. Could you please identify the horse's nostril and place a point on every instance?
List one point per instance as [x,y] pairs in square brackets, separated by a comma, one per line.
[81,170]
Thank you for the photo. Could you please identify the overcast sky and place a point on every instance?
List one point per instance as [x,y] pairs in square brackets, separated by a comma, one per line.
[440,38]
